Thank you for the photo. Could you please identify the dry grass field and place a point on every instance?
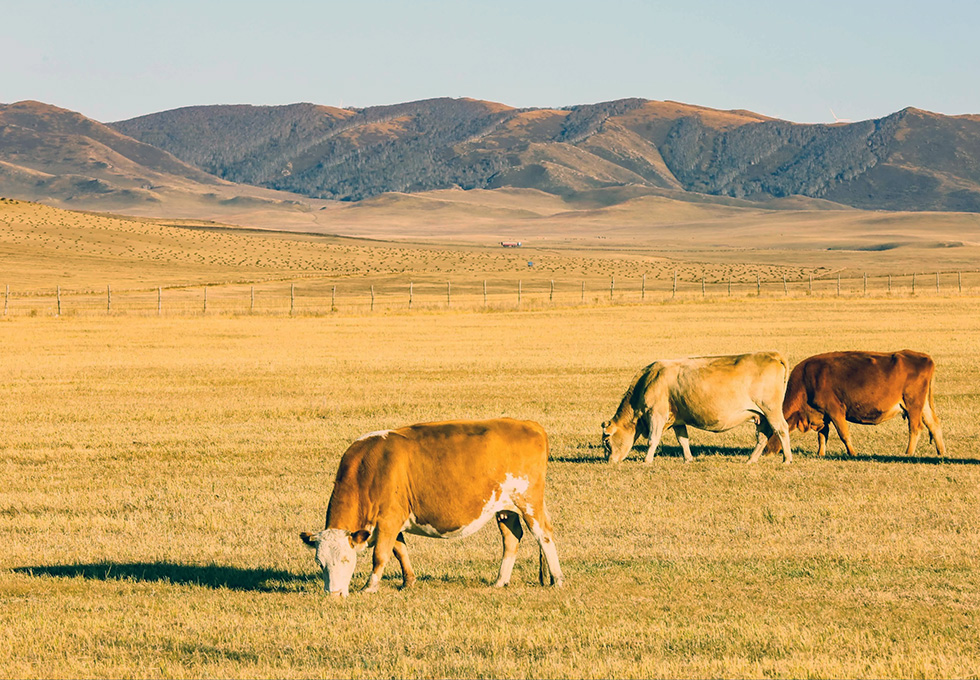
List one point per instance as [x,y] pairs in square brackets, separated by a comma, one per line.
[157,472]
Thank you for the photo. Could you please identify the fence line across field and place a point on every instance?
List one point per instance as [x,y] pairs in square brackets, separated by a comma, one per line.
[312,296]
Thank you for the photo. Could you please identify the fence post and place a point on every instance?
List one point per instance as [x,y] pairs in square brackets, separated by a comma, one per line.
[108,299]
[959,284]
[785,291]
[673,293]
[159,300]
[729,284]
[6,299]
[702,285]
[889,284]
[251,300]
[643,288]
[449,302]
[937,283]
[913,283]
[838,284]
[411,293]
[551,296]
[612,286]
[865,283]
[372,297]
[205,299]
[583,292]
[292,298]
[758,285]
[811,283]
[484,293]
[333,299]
[59,300]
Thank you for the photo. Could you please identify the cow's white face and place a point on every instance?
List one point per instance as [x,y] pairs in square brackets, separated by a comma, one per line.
[616,441]
[336,555]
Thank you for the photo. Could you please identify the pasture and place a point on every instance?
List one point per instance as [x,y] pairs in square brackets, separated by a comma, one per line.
[157,473]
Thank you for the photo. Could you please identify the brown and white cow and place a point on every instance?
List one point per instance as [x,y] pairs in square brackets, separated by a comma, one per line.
[444,480]
[861,387]
[709,393]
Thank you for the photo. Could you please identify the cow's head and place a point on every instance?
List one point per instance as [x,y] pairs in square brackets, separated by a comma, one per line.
[336,554]
[805,419]
[617,441]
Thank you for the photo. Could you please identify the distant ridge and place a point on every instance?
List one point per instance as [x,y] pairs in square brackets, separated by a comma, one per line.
[909,160]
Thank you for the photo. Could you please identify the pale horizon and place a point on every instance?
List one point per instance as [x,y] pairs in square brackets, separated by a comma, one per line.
[112,61]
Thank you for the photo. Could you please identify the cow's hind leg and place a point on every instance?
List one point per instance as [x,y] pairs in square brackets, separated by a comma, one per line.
[774,423]
[511,532]
[680,431]
[539,522]
[401,554]
[932,424]
[763,432]
[913,414]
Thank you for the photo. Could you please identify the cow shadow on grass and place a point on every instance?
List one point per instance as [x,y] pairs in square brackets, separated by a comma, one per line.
[206,576]
[219,577]
[908,460]
[591,453]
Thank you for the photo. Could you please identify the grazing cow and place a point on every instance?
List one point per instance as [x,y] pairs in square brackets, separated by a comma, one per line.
[444,480]
[708,393]
[861,387]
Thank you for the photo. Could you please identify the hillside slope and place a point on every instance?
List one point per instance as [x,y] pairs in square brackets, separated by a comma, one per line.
[910,160]
[59,156]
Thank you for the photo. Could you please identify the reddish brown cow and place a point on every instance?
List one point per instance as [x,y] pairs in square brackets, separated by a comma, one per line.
[861,387]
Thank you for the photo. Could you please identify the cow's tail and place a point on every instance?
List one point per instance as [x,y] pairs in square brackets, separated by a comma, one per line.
[929,401]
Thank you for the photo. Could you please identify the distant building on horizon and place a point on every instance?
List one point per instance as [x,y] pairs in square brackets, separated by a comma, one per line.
[511,244]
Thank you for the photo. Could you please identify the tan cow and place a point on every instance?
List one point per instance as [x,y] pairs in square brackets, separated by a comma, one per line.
[444,480]
[861,387]
[708,393]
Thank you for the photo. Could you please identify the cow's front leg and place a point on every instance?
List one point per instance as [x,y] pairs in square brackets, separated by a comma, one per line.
[843,431]
[383,549]
[401,554]
[822,435]
[680,431]
[655,425]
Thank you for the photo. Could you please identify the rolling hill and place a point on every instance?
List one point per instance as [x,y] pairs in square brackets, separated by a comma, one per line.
[61,157]
[910,160]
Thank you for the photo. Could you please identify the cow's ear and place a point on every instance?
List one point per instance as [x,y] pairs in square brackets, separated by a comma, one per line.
[359,538]
[308,538]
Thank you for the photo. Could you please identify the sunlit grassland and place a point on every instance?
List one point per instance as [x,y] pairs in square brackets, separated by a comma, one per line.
[156,473]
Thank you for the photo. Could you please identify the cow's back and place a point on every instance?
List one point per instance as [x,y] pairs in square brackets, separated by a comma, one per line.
[455,453]
[869,385]
[444,474]
[716,392]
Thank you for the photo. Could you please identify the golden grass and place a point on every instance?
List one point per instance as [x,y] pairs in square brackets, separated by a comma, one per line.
[157,473]
[45,247]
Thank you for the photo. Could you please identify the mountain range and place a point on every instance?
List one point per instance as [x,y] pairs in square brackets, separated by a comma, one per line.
[288,155]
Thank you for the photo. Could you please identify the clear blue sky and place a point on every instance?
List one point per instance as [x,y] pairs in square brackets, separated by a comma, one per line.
[112,60]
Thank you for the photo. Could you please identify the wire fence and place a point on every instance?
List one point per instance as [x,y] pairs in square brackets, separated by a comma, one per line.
[357,296]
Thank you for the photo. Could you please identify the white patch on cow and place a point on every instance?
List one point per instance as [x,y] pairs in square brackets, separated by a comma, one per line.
[336,558]
[501,499]
[380,433]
